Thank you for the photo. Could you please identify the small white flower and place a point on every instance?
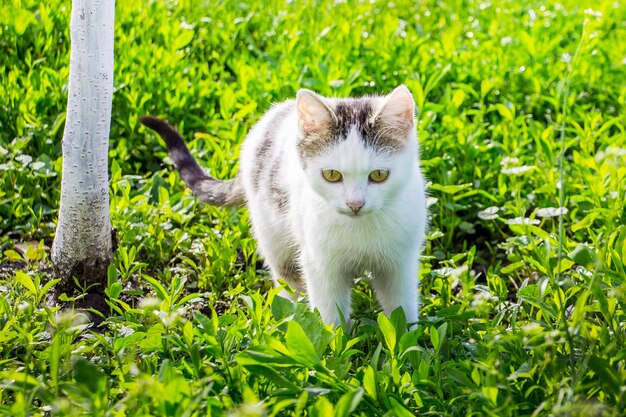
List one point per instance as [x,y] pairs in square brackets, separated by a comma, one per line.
[592,12]
[431,201]
[167,318]
[508,160]
[482,298]
[70,318]
[126,331]
[551,211]
[149,303]
[522,220]
[490,213]
[24,159]
[518,170]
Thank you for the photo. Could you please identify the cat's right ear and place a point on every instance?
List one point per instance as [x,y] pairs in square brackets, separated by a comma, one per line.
[314,115]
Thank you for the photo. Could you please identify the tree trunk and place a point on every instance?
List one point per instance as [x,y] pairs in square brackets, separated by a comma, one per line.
[82,246]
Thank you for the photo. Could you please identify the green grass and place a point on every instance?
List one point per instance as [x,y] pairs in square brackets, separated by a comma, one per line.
[521,112]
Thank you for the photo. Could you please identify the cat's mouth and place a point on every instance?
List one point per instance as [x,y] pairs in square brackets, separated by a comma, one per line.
[352,214]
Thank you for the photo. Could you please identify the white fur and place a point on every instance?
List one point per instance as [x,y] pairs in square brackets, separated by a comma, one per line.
[318,230]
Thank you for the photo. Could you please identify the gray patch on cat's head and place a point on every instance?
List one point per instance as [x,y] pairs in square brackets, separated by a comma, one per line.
[353,113]
[360,114]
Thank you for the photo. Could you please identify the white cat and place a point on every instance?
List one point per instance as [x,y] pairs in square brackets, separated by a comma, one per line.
[334,190]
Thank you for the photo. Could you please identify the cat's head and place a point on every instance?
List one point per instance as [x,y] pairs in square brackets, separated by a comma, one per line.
[358,154]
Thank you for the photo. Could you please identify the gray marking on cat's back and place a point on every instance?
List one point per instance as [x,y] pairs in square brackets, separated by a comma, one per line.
[265,147]
[279,195]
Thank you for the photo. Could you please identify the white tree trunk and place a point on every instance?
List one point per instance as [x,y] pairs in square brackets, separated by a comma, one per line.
[83,244]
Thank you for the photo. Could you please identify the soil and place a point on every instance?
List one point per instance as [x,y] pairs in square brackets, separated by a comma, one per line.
[93,300]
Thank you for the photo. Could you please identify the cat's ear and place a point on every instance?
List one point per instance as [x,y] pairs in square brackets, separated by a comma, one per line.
[398,112]
[314,115]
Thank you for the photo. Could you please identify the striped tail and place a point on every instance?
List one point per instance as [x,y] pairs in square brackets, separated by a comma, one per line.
[208,189]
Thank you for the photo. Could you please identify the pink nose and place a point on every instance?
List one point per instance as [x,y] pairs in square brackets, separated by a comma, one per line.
[355,205]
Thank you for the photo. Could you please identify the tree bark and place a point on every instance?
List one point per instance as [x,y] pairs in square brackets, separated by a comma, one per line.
[82,247]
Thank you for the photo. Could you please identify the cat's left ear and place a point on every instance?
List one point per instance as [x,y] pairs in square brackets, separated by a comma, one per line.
[398,112]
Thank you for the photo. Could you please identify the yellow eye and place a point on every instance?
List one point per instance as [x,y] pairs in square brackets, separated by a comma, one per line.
[331,175]
[378,175]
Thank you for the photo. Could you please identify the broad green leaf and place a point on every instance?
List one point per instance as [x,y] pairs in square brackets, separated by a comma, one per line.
[486,86]
[25,281]
[88,375]
[282,308]
[398,319]
[300,347]
[458,97]
[55,359]
[531,292]
[112,276]
[376,356]
[606,375]
[435,338]
[369,382]
[580,308]
[128,341]
[154,338]
[512,267]
[160,290]
[441,330]
[19,378]
[12,255]
[267,356]
[188,297]
[48,285]
[604,301]
[587,221]
[563,266]
[450,189]
[323,408]
[583,255]
[114,290]
[188,332]
[537,231]
[476,377]
[183,39]
[389,332]
[491,393]
[504,111]
[20,20]
[275,376]
[348,403]
[399,409]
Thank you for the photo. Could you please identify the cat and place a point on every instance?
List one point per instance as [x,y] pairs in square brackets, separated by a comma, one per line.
[334,190]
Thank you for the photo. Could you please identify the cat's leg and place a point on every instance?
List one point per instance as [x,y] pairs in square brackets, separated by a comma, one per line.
[289,271]
[280,256]
[329,290]
[396,285]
